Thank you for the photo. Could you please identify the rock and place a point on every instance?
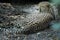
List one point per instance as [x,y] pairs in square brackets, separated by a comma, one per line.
[33,22]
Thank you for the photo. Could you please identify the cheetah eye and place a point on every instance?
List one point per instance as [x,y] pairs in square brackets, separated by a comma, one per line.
[37,9]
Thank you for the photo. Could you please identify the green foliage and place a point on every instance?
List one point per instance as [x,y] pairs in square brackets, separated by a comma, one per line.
[55,1]
[56,26]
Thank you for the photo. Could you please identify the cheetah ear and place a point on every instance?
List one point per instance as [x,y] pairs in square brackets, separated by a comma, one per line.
[54,11]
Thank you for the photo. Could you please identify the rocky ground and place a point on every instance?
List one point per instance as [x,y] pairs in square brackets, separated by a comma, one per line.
[8,32]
